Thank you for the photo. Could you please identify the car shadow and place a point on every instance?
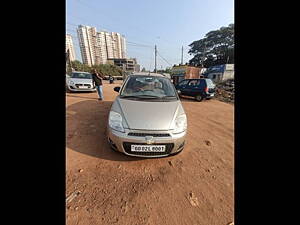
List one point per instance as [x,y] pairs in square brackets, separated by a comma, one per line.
[187,99]
[86,130]
[80,96]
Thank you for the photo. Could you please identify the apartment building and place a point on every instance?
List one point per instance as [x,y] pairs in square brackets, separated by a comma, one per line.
[97,47]
[70,47]
[129,65]
[87,42]
[101,48]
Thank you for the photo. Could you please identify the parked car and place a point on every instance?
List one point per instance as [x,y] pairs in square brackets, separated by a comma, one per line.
[80,81]
[199,88]
[147,118]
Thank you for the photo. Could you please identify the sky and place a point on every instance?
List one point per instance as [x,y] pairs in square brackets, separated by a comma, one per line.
[169,24]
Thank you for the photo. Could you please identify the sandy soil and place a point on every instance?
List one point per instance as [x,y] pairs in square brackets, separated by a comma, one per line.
[105,187]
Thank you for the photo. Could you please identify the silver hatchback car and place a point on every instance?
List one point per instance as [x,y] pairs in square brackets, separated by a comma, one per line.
[147,118]
[80,81]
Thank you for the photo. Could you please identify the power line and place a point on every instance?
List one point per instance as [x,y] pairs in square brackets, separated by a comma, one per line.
[114,19]
[129,42]
[142,45]
[164,59]
[109,16]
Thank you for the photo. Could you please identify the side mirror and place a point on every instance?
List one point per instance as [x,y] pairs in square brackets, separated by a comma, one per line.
[117,89]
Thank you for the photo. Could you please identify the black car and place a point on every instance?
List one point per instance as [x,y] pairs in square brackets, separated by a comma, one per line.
[202,88]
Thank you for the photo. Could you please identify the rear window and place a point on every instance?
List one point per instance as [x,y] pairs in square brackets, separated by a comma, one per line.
[209,83]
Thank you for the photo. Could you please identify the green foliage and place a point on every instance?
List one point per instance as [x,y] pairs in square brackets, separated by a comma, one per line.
[217,47]
[167,70]
[106,69]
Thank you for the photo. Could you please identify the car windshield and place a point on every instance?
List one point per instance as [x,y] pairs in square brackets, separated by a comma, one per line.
[82,75]
[148,87]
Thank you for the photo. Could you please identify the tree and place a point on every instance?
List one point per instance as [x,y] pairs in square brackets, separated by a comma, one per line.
[78,66]
[167,70]
[106,69]
[217,47]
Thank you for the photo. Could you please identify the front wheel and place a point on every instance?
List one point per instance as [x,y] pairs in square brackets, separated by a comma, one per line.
[199,98]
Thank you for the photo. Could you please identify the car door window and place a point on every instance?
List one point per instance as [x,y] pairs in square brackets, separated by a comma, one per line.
[193,84]
[183,83]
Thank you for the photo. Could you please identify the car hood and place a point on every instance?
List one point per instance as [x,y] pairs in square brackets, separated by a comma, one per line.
[81,81]
[147,115]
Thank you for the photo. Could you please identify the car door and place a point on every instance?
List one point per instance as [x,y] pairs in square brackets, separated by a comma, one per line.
[181,86]
[191,87]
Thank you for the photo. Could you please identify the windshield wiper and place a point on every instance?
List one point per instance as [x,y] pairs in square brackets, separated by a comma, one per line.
[147,96]
[139,96]
[170,96]
[127,96]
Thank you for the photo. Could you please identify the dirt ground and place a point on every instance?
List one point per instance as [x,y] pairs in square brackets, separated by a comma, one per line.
[105,187]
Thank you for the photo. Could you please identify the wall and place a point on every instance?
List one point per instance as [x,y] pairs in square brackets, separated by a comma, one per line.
[228,75]
[215,77]
[192,72]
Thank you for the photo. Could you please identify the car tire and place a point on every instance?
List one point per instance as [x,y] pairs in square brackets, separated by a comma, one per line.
[199,98]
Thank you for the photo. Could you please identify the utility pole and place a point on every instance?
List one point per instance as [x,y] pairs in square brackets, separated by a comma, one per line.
[182,55]
[155,70]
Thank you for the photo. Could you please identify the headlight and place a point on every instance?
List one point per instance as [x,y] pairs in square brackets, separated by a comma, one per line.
[180,124]
[115,121]
[71,82]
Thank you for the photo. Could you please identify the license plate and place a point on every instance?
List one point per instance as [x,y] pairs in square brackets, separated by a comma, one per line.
[148,148]
[82,87]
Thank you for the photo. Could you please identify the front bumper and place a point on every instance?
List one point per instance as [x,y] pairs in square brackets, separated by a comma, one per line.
[74,88]
[210,95]
[119,141]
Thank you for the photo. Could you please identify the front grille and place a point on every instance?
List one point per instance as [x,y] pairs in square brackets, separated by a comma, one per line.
[85,85]
[127,148]
[149,134]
